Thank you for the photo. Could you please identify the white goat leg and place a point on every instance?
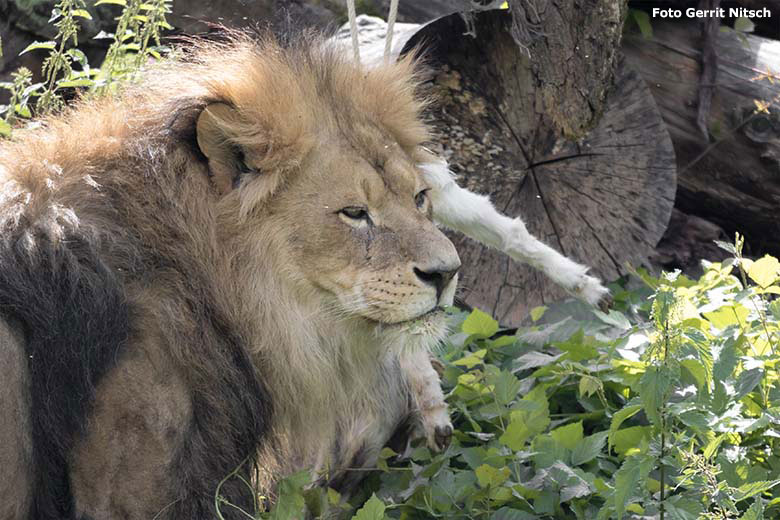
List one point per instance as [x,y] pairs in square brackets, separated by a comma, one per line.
[475,216]
[425,389]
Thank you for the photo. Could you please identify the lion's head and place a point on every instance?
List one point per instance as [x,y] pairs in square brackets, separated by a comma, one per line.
[326,154]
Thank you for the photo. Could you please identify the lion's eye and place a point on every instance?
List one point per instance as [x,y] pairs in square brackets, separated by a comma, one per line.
[355,213]
[419,199]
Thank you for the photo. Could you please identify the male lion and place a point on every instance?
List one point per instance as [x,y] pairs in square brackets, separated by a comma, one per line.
[233,261]
[230,265]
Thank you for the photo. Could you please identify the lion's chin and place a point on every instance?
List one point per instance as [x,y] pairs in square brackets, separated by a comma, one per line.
[431,325]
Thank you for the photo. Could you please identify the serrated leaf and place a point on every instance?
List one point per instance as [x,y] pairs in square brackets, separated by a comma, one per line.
[480,324]
[488,476]
[531,420]
[653,386]
[764,271]
[373,509]
[50,45]
[753,488]
[569,435]
[754,512]
[614,318]
[747,381]
[538,312]
[588,448]
[534,359]
[589,385]
[627,479]
[726,246]
[505,386]
[290,502]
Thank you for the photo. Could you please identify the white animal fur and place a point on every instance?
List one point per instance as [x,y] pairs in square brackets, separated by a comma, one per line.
[473,215]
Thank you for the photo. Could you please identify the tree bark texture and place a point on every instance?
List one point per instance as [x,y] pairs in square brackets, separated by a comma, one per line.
[732,176]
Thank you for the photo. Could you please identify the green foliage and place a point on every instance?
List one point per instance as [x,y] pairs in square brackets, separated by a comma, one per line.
[66,69]
[665,407]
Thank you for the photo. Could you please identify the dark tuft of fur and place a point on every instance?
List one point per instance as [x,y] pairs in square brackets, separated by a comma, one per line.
[75,320]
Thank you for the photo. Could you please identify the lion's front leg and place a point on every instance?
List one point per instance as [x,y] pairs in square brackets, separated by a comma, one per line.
[428,399]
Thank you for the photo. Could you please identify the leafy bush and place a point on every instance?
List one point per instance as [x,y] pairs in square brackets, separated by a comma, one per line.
[135,40]
[665,407]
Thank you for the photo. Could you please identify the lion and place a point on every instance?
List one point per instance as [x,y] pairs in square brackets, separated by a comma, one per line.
[229,265]
[229,268]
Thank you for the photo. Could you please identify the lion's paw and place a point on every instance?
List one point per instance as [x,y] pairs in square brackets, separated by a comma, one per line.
[437,428]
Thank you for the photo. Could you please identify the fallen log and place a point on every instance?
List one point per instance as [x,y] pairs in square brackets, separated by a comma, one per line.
[731,178]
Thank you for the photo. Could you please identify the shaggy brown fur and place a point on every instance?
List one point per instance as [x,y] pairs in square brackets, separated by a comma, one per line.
[222,264]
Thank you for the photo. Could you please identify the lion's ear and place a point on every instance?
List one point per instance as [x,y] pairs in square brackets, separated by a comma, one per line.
[226,159]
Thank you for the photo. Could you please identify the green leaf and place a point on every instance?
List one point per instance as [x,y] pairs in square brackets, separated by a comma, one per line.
[84,82]
[569,435]
[480,324]
[652,392]
[123,3]
[754,512]
[488,476]
[81,13]
[588,448]
[726,246]
[614,318]
[511,514]
[632,438]
[506,386]
[538,312]
[472,359]
[744,25]
[753,488]
[747,381]
[334,497]
[620,416]
[589,385]
[373,509]
[633,471]
[642,20]
[728,315]
[533,419]
[764,271]
[50,45]
[712,447]
[5,129]
[290,502]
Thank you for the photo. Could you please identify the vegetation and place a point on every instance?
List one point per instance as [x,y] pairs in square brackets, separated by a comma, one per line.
[67,69]
[665,407]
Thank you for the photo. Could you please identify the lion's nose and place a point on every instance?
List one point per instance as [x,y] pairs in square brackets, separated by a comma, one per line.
[438,276]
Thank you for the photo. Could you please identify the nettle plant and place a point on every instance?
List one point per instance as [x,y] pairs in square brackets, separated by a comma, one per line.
[66,69]
[667,407]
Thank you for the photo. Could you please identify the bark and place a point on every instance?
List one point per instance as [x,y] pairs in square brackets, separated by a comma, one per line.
[732,176]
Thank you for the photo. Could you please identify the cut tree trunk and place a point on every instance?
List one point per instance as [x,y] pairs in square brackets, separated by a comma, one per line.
[589,168]
[732,178]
